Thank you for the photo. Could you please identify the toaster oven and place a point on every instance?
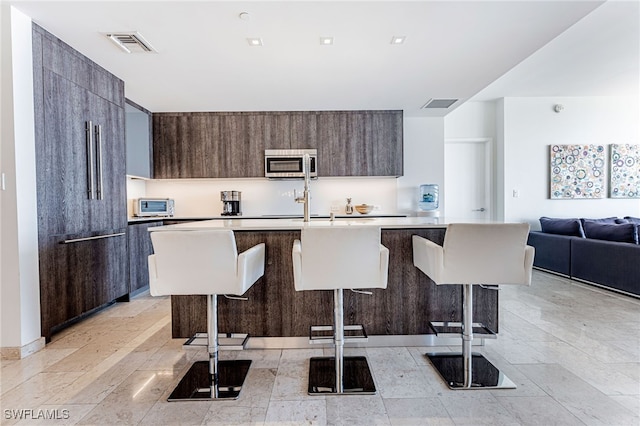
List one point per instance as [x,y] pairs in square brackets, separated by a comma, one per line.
[154,207]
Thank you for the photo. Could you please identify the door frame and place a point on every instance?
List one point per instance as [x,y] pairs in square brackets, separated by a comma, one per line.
[489,177]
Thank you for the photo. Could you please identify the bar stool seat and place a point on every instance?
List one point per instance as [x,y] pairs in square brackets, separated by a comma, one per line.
[205,263]
[339,258]
[484,254]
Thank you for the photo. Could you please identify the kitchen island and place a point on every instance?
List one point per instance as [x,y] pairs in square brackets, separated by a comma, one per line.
[276,310]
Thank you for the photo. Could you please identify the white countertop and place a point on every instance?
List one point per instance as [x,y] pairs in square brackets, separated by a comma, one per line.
[296,224]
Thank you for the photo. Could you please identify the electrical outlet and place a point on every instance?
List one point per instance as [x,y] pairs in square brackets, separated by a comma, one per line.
[516,193]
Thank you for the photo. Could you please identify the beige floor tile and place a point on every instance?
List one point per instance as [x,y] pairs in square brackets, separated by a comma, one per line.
[572,350]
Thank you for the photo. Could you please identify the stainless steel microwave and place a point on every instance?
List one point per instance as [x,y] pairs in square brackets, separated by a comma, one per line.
[289,163]
[151,207]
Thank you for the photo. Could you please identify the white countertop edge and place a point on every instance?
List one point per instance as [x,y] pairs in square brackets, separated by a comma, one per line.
[297,224]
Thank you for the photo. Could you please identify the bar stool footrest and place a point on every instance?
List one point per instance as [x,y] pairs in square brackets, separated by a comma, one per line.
[357,376]
[226,341]
[454,329]
[196,384]
[324,334]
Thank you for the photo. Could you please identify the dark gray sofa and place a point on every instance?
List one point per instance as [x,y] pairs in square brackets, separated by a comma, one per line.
[614,265]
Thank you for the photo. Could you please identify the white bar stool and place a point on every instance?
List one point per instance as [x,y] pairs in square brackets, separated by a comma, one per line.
[484,254]
[331,258]
[205,263]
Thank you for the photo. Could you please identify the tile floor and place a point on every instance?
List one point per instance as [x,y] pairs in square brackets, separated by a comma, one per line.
[572,349]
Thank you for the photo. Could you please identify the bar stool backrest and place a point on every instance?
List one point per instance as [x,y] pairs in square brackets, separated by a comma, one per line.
[341,257]
[194,262]
[486,253]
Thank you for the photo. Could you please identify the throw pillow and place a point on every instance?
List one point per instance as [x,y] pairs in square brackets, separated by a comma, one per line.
[561,226]
[623,232]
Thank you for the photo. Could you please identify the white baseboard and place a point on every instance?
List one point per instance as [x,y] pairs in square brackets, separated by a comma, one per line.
[10,353]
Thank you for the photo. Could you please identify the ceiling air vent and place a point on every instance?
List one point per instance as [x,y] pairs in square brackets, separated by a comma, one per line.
[439,103]
[131,42]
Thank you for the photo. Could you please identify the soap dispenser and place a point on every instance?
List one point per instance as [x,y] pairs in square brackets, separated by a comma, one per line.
[348,208]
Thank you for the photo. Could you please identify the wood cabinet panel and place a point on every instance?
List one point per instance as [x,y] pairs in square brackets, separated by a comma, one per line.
[109,210]
[304,130]
[77,277]
[61,156]
[62,59]
[332,140]
[69,92]
[231,145]
[139,248]
[274,308]
[386,144]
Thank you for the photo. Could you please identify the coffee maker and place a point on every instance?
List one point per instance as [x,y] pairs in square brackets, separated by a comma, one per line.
[230,203]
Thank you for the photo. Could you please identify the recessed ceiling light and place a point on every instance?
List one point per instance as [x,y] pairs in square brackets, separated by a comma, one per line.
[326,41]
[398,39]
[254,41]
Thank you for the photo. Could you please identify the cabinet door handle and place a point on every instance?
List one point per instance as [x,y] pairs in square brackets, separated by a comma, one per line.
[97,237]
[89,138]
[99,161]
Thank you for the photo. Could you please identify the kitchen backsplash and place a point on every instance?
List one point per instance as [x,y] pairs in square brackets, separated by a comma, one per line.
[201,197]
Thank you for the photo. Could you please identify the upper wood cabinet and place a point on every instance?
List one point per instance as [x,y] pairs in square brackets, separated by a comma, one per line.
[231,145]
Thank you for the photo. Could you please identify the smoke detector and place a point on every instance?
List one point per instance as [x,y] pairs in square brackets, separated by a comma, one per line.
[131,42]
[439,103]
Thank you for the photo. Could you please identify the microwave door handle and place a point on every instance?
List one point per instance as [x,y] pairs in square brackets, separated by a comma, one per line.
[89,141]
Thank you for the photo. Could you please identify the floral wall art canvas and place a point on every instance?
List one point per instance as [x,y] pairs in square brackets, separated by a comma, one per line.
[625,171]
[577,171]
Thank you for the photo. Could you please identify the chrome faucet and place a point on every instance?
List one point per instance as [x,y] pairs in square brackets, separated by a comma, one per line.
[306,167]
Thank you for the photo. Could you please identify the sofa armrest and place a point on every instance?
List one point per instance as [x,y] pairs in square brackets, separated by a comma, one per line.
[552,251]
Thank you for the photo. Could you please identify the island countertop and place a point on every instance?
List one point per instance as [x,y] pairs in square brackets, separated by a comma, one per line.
[238,224]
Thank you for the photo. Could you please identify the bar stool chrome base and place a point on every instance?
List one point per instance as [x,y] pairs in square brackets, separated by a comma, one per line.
[198,383]
[484,375]
[468,370]
[357,378]
[339,374]
[212,380]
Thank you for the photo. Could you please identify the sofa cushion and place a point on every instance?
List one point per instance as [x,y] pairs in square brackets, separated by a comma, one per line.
[623,232]
[635,220]
[561,226]
[610,220]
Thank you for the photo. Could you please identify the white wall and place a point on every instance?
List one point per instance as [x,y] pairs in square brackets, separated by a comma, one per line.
[201,197]
[531,125]
[20,289]
[524,128]
[474,122]
[423,161]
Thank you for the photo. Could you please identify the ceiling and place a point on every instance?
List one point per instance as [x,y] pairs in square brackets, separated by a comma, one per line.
[453,50]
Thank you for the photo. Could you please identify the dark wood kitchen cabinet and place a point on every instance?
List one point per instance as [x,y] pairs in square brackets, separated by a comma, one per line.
[81,187]
[139,244]
[231,145]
